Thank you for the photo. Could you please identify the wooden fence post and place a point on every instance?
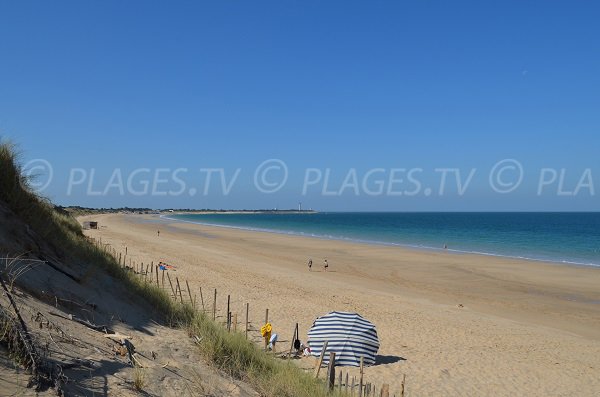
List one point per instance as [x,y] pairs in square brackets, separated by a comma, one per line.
[190,294]
[228,317]
[360,382]
[320,360]
[385,390]
[179,287]
[346,383]
[402,385]
[215,306]
[202,299]
[331,371]
[296,336]
[171,284]
[266,321]
[247,310]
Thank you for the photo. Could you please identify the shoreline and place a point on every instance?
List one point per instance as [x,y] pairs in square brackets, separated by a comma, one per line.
[455,324]
[419,248]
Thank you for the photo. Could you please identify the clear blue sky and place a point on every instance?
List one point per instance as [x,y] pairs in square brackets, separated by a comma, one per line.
[336,84]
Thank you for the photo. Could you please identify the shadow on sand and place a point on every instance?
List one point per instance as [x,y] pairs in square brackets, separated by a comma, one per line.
[383,360]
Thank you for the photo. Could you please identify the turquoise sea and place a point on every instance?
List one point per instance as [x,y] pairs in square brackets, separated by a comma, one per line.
[569,238]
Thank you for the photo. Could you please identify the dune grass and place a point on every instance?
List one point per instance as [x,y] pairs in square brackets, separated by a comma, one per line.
[230,352]
[61,231]
[241,359]
[139,378]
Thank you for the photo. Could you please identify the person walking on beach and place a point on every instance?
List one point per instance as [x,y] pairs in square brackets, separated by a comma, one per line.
[158,233]
[326,265]
[310,264]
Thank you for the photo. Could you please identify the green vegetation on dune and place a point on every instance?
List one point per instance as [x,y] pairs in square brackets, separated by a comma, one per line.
[230,352]
[242,359]
[61,231]
[35,211]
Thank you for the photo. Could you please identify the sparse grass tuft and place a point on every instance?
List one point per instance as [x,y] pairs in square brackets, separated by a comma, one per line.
[10,337]
[139,378]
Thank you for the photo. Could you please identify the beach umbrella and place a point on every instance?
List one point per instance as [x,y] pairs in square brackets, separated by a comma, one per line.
[349,335]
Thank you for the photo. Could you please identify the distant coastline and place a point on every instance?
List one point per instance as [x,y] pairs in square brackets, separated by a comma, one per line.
[79,211]
[240,212]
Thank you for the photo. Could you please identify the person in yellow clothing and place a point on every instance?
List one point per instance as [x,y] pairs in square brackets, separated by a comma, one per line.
[265,332]
[270,338]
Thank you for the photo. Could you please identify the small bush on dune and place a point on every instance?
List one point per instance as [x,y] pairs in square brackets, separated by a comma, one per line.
[139,378]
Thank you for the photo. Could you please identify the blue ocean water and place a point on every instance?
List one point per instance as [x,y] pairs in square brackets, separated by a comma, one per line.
[572,238]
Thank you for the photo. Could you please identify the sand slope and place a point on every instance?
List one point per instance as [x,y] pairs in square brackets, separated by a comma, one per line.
[87,360]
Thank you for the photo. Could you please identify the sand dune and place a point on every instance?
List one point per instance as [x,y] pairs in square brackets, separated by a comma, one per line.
[453,324]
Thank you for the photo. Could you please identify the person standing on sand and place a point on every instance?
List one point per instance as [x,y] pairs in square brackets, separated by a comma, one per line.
[310,264]
[158,233]
[326,264]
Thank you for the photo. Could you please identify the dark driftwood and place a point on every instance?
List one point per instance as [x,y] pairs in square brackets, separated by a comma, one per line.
[23,332]
[58,269]
[131,353]
[43,375]
[100,328]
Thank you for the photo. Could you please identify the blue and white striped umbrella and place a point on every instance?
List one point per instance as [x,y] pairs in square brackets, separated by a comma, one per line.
[348,335]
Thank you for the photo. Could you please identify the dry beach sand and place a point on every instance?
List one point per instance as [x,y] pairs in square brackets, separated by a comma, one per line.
[455,325]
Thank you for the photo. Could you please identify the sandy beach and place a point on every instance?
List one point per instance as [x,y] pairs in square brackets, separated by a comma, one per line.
[455,325]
